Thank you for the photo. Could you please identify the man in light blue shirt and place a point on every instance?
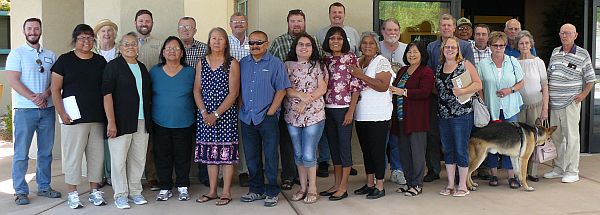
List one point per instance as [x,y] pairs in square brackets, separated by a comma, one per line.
[28,74]
[263,84]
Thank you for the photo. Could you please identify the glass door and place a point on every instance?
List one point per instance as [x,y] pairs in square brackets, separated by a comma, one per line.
[594,116]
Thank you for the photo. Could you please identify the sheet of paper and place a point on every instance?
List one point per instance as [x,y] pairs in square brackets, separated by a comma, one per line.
[70,104]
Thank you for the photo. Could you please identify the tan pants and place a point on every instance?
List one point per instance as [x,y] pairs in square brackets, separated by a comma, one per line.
[128,156]
[566,138]
[529,115]
[80,139]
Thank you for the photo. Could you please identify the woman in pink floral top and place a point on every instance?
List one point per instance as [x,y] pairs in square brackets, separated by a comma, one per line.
[340,102]
[304,111]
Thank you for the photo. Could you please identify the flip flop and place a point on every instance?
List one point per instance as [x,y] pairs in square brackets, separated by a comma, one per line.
[205,198]
[311,198]
[461,193]
[299,195]
[446,191]
[223,201]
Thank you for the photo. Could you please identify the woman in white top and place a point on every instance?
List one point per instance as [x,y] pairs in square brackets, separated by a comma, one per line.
[534,91]
[373,113]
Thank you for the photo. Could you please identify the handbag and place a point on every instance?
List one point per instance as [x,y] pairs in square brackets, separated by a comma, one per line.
[547,151]
[480,112]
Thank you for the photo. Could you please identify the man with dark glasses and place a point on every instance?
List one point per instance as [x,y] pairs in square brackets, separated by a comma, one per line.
[28,73]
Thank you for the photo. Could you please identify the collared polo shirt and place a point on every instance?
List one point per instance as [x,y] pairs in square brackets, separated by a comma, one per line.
[567,75]
[23,60]
[260,80]
[149,51]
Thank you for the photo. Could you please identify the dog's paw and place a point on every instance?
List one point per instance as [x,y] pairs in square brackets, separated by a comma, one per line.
[475,184]
[472,188]
[529,189]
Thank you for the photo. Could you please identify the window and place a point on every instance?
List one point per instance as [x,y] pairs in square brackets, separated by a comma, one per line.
[4,38]
[241,6]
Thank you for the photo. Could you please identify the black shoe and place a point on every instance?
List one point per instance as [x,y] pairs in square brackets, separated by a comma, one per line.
[243,180]
[533,178]
[323,170]
[364,190]
[337,198]
[287,184]
[431,177]
[353,171]
[326,193]
[376,193]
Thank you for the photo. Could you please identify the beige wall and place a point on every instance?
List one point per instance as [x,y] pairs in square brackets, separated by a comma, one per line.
[209,14]
[270,15]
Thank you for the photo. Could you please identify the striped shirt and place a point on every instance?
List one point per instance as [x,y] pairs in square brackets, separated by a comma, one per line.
[194,53]
[23,60]
[282,45]
[567,73]
[149,51]
[238,50]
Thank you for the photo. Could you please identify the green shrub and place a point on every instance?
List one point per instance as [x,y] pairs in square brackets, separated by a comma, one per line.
[4,5]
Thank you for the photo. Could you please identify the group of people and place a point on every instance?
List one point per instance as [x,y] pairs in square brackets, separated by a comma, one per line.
[143,105]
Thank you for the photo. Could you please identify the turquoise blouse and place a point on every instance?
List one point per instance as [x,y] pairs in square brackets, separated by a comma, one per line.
[511,74]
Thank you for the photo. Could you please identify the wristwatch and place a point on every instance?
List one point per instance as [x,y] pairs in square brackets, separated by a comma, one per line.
[405,92]
[512,89]
[216,114]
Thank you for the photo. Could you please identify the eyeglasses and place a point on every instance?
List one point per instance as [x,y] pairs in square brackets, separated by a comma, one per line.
[336,38]
[464,28]
[238,21]
[451,47]
[498,46]
[174,49]
[129,45]
[85,39]
[565,33]
[514,29]
[186,27]
[39,63]
[257,43]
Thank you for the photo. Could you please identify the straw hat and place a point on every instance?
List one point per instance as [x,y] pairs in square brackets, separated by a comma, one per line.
[105,22]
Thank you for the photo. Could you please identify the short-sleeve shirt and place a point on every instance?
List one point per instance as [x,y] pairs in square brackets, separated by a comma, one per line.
[23,60]
[374,105]
[260,80]
[304,78]
[567,75]
[492,82]
[194,53]
[82,78]
[149,51]
[534,78]
[172,97]
[238,50]
[341,82]
[395,56]
[351,34]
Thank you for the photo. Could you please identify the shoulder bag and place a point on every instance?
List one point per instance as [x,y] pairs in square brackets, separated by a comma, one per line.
[547,151]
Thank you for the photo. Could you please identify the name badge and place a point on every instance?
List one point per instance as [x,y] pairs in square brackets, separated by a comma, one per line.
[553,67]
[247,47]
[48,60]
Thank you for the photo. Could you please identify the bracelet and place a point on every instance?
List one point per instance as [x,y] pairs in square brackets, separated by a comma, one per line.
[405,92]
[202,111]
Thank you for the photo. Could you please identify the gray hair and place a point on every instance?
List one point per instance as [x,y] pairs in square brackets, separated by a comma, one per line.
[522,34]
[132,34]
[373,35]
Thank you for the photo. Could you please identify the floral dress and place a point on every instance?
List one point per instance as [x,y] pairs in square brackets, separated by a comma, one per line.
[216,144]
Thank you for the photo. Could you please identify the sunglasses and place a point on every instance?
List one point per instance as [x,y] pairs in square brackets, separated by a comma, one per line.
[257,43]
[39,63]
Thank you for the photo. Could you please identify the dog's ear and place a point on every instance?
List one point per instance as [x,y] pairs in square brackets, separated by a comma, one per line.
[538,122]
[551,130]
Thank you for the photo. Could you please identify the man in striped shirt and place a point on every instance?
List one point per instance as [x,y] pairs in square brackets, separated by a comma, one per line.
[570,79]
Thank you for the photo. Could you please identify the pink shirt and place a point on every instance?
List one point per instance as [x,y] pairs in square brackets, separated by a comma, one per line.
[304,79]
[341,82]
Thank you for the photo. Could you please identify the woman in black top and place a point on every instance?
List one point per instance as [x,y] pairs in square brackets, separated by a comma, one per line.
[78,74]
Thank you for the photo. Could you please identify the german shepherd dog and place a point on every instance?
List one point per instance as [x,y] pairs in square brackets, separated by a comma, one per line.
[517,140]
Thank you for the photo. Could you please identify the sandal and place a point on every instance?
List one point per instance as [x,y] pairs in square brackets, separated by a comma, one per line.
[299,195]
[403,189]
[446,191]
[414,191]
[461,193]
[205,198]
[223,201]
[493,181]
[311,198]
[287,184]
[514,183]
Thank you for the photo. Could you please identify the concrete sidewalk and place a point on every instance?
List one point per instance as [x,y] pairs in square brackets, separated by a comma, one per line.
[550,197]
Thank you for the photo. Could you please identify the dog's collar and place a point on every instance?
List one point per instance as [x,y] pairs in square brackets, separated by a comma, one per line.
[520,130]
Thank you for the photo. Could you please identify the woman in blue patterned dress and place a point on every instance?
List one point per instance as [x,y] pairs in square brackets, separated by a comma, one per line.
[215,91]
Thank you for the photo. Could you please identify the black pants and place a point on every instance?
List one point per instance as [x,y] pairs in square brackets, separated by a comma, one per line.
[339,136]
[412,155]
[372,137]
[434,149]
[286,151]
[172,150]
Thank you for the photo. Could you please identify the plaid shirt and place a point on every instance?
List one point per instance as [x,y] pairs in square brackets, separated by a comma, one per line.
[283,44]
[194,53]
[481,54]
[237,50]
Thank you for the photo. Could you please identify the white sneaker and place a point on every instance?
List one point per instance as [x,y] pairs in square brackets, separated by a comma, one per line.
[73,200]
[122,203]
[398,177]
[183,194]
[552,174]
[163,195]
[139,200]
[96,198]
[570,178]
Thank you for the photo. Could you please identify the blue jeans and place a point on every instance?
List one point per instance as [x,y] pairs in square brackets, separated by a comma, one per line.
[259,138]
[394,155]
[323,146]
[26,122]
[492,159]
[454,134]
[305,140]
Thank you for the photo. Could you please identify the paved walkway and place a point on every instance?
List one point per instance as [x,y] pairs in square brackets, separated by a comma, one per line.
[550,197]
